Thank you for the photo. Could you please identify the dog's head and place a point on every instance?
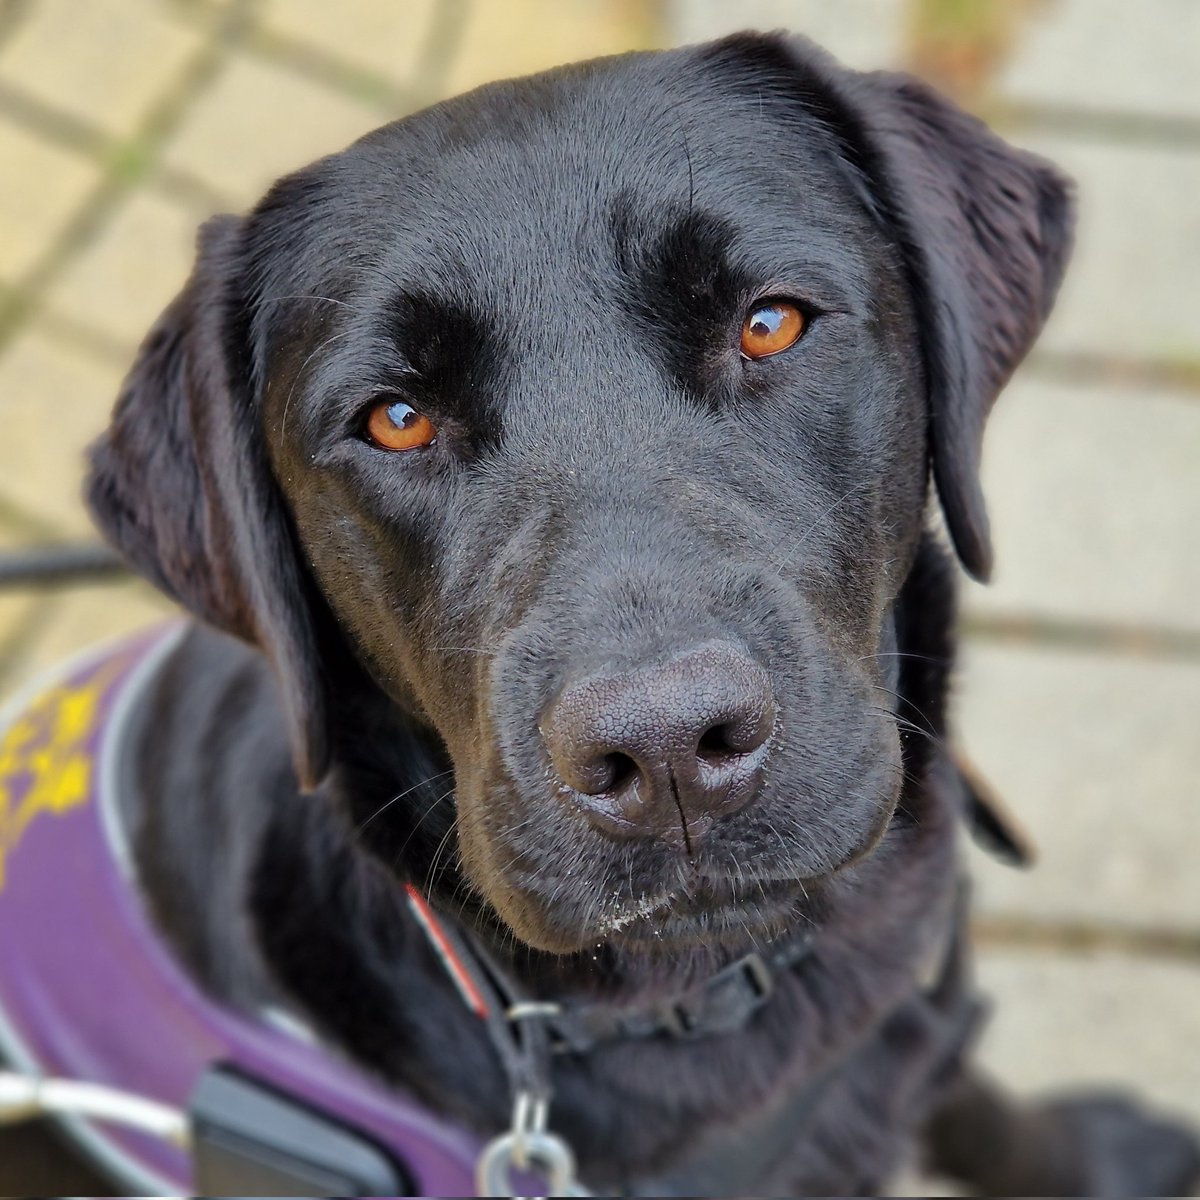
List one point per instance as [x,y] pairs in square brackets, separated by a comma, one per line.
[598,410]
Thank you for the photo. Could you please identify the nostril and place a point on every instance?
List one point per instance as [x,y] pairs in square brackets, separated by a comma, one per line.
[716,744]
[733,738]
[616,773]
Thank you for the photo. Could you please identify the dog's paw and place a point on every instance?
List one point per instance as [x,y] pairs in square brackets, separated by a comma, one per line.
[1124,1150]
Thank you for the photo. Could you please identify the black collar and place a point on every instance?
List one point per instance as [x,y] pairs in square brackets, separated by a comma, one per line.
[723,1003]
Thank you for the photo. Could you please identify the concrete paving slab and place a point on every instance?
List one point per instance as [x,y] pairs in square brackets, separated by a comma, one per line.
[43,187]
[106,63]
[520,37]
[1094,503]
[120,283]
[1098,757]
[258,121]
[54,399]
[865,34]
[390,40]
[1063,1020]
[1129,290]
[1109,56]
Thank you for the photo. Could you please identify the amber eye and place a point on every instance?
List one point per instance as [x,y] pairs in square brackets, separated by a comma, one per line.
[394,425]
[771,328]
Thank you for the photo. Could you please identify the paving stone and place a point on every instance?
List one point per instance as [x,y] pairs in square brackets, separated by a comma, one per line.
[258,121]
[43,187]
[1094,504]
[1129,290]
[1064,1020]
[122,282]
[54,399]
[1109,55]
[105,62]
[387,39]
[519,37]
[1098,757]
[865,34]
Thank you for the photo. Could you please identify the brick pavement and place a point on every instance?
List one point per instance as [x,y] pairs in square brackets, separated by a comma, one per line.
[124,122]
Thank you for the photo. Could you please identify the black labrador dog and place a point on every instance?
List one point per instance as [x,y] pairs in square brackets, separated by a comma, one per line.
[548,471]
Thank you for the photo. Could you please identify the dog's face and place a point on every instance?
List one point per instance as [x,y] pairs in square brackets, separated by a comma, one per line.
[627,539]
[598,410]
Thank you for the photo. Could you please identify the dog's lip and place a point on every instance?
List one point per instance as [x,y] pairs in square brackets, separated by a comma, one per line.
[686,915]
[641,909]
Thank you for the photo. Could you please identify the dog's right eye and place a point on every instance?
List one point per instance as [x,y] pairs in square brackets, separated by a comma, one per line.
[770,328]
[395,425]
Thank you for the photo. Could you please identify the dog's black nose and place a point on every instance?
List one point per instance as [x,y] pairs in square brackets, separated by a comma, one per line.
[662,751]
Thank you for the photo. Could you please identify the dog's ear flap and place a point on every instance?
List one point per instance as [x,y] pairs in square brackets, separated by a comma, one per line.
[986,229]
[180,484]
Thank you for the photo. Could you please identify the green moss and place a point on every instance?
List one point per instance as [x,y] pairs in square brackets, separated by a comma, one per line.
[129,162]
[958,20]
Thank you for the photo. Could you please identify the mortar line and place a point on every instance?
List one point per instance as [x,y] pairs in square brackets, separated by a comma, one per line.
[388,98]
[1092,367]
[343,74]
[12,14]
[1082,937]
[364,83]
[1150,642]
[1113,125]
[443,44]
[52,124]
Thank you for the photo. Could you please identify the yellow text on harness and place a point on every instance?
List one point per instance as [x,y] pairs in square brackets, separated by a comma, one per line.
[45,757]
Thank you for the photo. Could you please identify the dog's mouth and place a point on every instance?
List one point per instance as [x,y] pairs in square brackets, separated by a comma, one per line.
[643,909]
[710,914]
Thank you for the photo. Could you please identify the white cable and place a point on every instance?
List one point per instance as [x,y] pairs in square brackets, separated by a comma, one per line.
[25,1096]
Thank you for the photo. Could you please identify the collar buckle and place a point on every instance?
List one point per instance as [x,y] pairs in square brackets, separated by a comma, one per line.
[725,1003]
[756,972]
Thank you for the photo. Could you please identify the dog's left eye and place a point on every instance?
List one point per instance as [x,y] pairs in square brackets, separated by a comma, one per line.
[394,425]
[770,328]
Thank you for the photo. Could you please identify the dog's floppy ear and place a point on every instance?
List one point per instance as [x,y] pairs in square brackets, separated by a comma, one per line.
[986,231]
[180,484]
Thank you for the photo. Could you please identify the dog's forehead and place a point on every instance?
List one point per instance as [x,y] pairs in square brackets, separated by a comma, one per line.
[535,169]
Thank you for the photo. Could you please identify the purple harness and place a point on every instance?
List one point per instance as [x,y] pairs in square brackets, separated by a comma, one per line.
[88,990]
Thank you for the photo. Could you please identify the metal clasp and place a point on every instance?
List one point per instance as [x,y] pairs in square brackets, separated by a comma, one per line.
[527,1147]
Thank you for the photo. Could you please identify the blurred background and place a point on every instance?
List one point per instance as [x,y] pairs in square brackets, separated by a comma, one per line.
[124,123]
